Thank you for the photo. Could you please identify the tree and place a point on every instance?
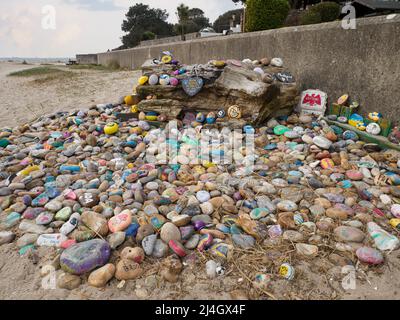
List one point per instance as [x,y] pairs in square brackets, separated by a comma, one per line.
[265,14]
[196,16]
[223,21]
[195,13]
[148,35]
[190,20]
[183,18]
[322,12]
[141,19]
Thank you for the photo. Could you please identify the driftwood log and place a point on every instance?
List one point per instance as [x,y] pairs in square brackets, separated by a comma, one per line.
[258,100]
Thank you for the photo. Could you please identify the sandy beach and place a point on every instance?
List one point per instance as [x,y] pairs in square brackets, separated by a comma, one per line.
[26,98]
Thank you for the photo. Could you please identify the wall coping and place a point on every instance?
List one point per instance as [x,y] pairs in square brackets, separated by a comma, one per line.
[321,26]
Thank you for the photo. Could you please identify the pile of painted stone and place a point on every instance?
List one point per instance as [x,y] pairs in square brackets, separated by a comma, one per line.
[67,184]
[260,89]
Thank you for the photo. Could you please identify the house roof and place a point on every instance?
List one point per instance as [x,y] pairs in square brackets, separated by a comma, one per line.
[378,5]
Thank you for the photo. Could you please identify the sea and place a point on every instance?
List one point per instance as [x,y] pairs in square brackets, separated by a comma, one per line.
[35,60]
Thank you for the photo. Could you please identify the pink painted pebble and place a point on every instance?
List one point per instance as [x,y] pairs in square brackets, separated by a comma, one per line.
[369,255]
[32,213]
[177,248]
[71,195]
[354,175]
[120,222]
[67,243]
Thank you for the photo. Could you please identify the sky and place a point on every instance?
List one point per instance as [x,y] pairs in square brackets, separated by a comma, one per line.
[63,28]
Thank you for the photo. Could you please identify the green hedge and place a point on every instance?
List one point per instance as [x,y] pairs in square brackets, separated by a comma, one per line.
[322,12]
[266,14]
[148,35]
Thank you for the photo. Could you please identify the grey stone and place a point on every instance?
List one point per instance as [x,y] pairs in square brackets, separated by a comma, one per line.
[6,237]
[160,249]
[243,241]
[148,244]
[116,239]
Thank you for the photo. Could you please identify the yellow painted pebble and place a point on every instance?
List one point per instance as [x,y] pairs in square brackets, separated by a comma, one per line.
[111,128]
[143,80]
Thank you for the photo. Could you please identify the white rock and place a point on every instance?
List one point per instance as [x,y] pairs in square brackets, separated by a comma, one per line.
[71,224]
[373,128]
[383,240]
[277,62]
[259,70]
[211,269]
[203,196]
[366,173]
[307,139]
[395,209]
[51,240]
[153,79]
[152,185]
[207,208]
[6,237]
[385,199]
[322,142]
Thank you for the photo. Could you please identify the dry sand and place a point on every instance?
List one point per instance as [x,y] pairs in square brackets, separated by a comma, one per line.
[316,279]
[23,99]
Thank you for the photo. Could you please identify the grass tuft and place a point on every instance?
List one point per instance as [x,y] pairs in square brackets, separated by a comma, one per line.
[54,77]
[39,71]
[96,67]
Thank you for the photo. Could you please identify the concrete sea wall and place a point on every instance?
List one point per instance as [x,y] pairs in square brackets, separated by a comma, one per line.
[363,62]
[87,59]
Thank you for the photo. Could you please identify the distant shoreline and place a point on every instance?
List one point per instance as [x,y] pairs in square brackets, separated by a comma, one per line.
[34,60]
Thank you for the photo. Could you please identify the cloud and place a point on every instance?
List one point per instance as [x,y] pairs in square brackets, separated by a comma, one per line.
[82,26]
[94,5]
[68,34]
[17,28]
[21,33]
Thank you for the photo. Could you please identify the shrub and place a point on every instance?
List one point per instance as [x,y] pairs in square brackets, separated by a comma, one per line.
[266,14]
[310,17]
[148,35]
[322,12]
[293,18]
